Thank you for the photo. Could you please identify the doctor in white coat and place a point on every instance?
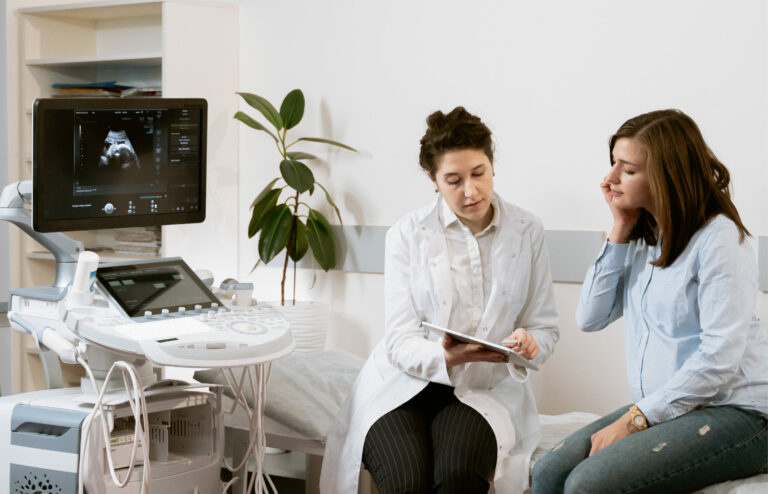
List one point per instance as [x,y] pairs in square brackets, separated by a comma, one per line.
[477,264]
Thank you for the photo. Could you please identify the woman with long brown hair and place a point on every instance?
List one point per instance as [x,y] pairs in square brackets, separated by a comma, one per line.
[678,268]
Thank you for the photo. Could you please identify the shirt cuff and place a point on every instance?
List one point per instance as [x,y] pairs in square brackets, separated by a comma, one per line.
[518,372]
[657,410]
[454,373]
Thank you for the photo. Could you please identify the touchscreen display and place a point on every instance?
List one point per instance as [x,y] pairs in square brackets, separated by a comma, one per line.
[138,287]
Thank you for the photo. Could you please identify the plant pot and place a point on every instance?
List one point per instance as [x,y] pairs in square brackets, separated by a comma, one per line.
[309,324]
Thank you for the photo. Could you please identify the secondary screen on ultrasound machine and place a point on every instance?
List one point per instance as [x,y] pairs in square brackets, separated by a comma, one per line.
[105,163]
[153,286]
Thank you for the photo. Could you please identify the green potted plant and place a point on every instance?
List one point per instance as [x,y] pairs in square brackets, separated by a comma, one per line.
[285,221]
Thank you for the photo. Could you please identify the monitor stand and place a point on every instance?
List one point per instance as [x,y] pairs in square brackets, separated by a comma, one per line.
[64,249]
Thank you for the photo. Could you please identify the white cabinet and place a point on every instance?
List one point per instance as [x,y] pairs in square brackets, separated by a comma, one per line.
[189,48]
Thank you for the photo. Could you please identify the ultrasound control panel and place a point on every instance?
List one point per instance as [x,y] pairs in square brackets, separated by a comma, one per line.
[259,319]
[162,310]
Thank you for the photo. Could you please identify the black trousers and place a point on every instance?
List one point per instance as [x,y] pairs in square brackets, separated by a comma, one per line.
[432,443]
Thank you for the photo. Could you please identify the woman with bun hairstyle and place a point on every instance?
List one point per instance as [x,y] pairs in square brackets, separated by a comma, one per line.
[436,415]
[678,268]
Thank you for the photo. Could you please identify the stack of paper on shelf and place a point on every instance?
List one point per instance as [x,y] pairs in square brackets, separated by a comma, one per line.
[138,241]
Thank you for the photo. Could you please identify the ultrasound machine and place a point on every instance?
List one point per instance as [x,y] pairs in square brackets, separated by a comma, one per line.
[113,163]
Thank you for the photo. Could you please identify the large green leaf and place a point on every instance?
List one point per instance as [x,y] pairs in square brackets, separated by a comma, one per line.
[265,108]
[326,141]
[260,211]
[297,175]
[300,155]
[330,201]
[247,120]
[275,232]
[292,108]
[321,239]
[301,245]
[264,191]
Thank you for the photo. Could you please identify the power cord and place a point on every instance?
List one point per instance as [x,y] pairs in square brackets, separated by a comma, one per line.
[141,421]
[257,376]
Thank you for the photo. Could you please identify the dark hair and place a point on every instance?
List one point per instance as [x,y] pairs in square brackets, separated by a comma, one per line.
[455,131]
[688,184]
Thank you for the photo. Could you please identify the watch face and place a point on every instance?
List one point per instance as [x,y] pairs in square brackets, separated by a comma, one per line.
[638,420]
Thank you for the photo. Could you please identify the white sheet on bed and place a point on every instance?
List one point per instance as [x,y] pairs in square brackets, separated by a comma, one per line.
[305,392]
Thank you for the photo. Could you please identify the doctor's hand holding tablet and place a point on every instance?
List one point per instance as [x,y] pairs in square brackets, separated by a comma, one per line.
[520,347]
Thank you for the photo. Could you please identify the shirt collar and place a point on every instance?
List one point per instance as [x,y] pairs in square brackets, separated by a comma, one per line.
[449,219]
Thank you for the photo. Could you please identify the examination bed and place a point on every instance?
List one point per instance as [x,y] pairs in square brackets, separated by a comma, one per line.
[305,392]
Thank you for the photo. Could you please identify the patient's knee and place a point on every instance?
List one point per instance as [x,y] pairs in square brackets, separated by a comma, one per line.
[589,481]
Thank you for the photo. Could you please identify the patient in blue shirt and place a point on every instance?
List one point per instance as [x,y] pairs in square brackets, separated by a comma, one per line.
[678,268]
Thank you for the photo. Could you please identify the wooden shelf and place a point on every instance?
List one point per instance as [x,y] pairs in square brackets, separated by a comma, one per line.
[99,10]
[139,43]
[103,257]
[148,59]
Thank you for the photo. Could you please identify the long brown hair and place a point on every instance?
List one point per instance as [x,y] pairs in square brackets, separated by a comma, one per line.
[688,184]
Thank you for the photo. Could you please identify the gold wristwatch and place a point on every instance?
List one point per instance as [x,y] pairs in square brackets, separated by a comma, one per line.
[637,418]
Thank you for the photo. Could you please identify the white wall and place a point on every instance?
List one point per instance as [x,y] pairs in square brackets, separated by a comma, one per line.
[553,80]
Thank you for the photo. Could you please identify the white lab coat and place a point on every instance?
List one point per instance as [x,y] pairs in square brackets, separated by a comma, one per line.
[418,287]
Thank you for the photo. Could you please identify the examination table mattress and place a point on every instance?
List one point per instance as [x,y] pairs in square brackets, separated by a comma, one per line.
[305,392]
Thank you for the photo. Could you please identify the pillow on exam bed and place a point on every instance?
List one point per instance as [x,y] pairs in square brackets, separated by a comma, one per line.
[305,390]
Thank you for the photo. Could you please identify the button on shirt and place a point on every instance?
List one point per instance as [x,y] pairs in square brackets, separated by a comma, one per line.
[469,256]
[692,335]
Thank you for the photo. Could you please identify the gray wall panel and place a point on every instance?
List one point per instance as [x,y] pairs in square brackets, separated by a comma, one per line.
[570,252]
[362,250]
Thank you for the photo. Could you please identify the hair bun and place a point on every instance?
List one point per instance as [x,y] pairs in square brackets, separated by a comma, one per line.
[436,120]
[458,129]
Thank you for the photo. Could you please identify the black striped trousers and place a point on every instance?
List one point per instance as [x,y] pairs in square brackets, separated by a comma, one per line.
[432,443]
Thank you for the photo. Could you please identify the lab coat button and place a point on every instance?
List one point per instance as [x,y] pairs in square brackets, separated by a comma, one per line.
[512,255]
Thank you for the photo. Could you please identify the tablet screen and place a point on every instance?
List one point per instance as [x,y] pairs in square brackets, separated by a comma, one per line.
[514,357]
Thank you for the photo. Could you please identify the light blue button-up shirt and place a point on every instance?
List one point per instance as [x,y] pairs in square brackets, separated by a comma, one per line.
[692,334]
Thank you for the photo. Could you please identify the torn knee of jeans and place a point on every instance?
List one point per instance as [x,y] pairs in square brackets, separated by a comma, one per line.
[659,447]
[703,431]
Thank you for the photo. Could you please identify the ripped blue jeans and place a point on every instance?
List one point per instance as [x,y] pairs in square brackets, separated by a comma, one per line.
[703,447]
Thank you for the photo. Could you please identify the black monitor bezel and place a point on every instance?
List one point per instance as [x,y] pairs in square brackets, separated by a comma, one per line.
[133,265]
[41,224]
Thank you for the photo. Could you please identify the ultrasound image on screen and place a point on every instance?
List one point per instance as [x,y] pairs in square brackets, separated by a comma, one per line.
[118,151]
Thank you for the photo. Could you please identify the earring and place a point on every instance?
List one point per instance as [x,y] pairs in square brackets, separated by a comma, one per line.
[435,190]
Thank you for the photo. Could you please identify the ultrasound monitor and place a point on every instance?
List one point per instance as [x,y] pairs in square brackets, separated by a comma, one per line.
[117,162]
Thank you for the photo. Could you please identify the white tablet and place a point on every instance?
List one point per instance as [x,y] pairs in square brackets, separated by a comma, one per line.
[514,357]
